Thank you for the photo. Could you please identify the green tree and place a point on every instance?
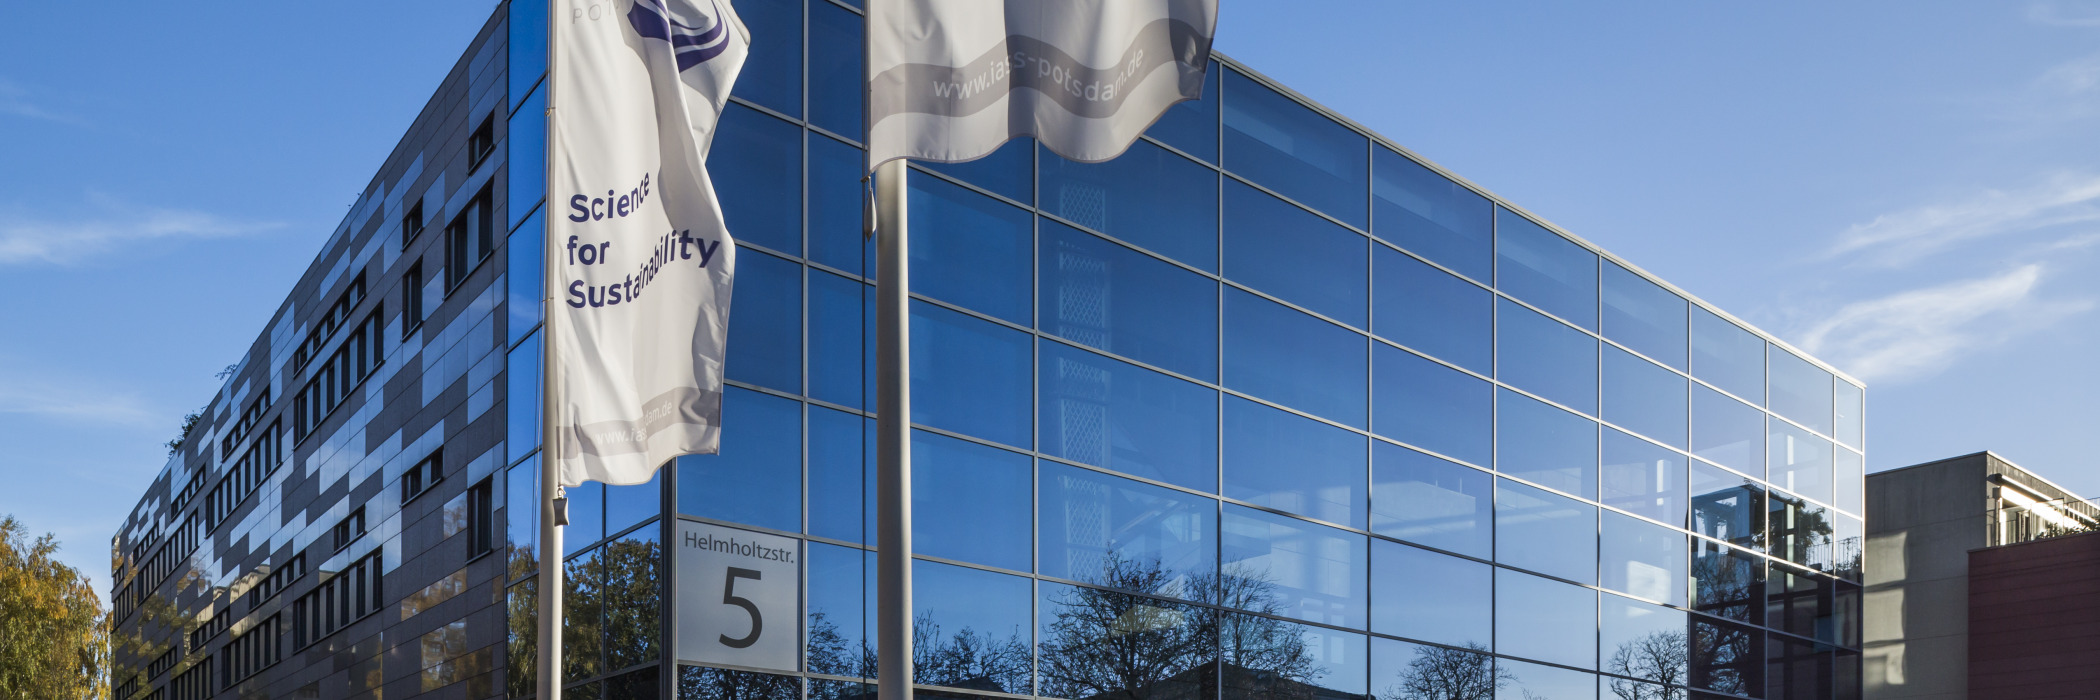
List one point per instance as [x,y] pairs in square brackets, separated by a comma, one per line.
[53,642]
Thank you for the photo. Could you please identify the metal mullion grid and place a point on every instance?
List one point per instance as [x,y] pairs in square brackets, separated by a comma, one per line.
[1035,411]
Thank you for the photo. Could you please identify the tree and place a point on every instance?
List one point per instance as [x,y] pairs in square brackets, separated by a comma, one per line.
[53,642]
[189,421]
[1442,673]
[1658,657]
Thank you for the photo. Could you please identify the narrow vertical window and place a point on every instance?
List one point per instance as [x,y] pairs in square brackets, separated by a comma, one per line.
[483,143]
[411,224]
[412,299]
[481,521]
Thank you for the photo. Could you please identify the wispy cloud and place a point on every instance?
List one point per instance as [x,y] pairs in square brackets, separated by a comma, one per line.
[41,394]
[1916,333]
[26,238]
[2062,13]
[14,100]
[1906,236]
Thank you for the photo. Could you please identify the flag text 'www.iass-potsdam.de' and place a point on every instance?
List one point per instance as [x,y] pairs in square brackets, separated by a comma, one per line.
[951,80]
[641,261]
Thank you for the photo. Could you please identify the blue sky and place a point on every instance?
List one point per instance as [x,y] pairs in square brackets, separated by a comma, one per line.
[1907,189]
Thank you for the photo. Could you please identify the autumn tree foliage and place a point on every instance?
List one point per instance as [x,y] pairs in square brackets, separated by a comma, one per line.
[52,640]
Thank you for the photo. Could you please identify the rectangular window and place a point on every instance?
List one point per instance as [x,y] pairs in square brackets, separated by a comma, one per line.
[1545,270]
[1546,357]
[1097,293]
[1431,311]
[1538,530]
[1285,566]
[1288,147]
[325,326]
[331,382]
[412,299]
[412,224]
[1281,460]
[481,518]
[1115,532]
[1431,406]
[1543,619]
[482,143]
[1148,197]
[1295,359]
[424,475]
[1415,208]
[1545,445]
[353,593]
[468,239]
[1430,501]
[193,684]
[1644,316]
[350,528]
[1322,268]
[252,651]
[1120,416]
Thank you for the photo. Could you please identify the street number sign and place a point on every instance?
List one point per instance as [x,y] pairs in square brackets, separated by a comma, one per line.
[739,597]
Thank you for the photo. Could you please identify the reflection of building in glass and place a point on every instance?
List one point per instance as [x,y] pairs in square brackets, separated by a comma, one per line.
[1979,581]
[1266,408]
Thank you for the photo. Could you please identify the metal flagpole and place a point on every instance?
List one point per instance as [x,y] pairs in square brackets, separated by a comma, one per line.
[551,515]
[893,441]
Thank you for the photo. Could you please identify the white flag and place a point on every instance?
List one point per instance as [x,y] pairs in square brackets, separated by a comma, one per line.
[641,261]
[951,80]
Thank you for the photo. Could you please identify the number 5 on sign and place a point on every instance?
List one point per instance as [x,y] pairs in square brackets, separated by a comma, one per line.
[738,598]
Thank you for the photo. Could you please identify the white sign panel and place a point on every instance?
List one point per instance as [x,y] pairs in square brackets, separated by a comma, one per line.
[739,597]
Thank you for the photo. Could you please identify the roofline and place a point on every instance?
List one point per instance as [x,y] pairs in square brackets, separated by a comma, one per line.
[1987,454]
[1258,76]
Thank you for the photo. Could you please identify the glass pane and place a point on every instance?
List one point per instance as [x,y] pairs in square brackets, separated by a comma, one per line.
[836,214]
[1727,432]
[1726,356]
[1526,681]
[523,402]
[1727,582]
[1800,461]
[1796,669]
[583,617]
[1119,533]
[1192,126]
[1288,148]
[765,332]
[1848,543]
[1800,530]
[1403,671]
[628,506]
[1543,619]
[1851,474]
[1545,445]
[1544,269]
[1643,559]
[1127,418]
[1432,597]
[1642,641]
[1110,297]
[835,71]
[1322,268]
[525,281]
[1730,658]
[836,627]
[521,637]
[1799,602]
[841,457]
[1546,357]
[1008,172]
[1433,407]
[1098,643]
[756,164]
[841,340]
[634,685]
[1272,658]
[1433,312]
[1284,461]
[1433,502]
[1148,197]
[1643,478]
[1851,412]
[528,47]
[526,156]
[772,76]
[521,508]
[633,586]
[1440,220]
[757,477]
[1728,506]
[1801,391]
[970,250]
[970,375]
[1640,314]
[1277,565]
[1297,360]
[970,502]
[1542,531]
[978,620]
[701,683]
[1646,398]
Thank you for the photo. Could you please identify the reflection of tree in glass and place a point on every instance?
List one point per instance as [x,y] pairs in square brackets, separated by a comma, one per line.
[1442,673]
[1724,585]
[1261,657]
[1724,659]
[966,659]
[702,683]
[521,614]
[1110,644]
[630,602]
[1657,657]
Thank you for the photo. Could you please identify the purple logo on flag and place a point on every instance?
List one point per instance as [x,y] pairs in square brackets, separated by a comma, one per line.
[696,34]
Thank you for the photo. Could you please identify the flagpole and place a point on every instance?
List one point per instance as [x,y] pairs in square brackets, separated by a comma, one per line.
[550,559]
[893,437]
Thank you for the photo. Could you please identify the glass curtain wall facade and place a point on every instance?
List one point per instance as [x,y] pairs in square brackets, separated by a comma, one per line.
[1266,408]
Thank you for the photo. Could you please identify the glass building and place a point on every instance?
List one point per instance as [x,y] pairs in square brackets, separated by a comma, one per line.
[1268,407]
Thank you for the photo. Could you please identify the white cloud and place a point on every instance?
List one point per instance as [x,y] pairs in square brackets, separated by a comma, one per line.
[15,101]
[44,395]
[1904,237]
[2065,14]
[25,238]
[1916,333]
